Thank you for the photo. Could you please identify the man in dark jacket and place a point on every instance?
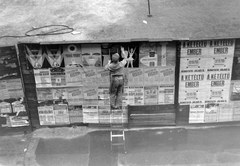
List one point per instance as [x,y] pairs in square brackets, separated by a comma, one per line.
[117,81]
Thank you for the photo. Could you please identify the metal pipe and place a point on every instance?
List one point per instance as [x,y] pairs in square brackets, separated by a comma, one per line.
[149,9]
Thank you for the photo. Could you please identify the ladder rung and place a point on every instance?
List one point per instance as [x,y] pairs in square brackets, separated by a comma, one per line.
[117,144]
[117,135]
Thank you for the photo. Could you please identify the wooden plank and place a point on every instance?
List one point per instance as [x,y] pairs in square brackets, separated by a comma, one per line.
[149,109]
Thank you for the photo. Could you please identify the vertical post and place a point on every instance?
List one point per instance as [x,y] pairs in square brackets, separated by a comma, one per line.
[149,9]
[23,86]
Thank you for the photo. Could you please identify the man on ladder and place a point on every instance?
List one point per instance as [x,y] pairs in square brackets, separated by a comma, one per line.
[117,81]
[116,68]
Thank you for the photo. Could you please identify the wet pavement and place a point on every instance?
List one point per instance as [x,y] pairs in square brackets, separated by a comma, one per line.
[191,147]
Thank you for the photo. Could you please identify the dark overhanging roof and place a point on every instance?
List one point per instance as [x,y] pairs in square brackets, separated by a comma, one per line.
[121,21]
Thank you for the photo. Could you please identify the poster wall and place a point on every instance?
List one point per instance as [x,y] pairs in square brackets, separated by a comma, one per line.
[205,74]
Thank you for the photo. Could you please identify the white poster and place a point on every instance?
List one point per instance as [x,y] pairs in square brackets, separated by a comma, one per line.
[18,107]
[236,111]
[166,94]
[54,57]
[90,114]
[151,76]
[61,113]
[225,112]
[72,55]
[75,96]
[211,112]
[135,76]
[42,77]
[104,114]
[103,77]
[74,76]
[5,108]
[44,94]
[4,90]
[196,113]
[59,93]
[36,60]
[167,75]
[46,115]
[151,95]
[222,47]
[91,55]
[89,76]
[90,92]
[138,96]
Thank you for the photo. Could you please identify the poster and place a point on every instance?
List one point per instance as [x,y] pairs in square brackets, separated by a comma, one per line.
[103,96]
[194,48]
[46,115]
[235,90]
[103,77]
[75,95]
[131,95]
[89,76]
[74,76]
[18,121]
[90,114]
[167,75]
[139,95]
[135,77]
[54,57]
[18,107]
[58,77]
[44,94]
[236,111]
[125,96]
[211,112]
[90,92]
[15,89]
[72,55]
[59,93]
[148,55]
[104,114]
[35,59]
[4,90]
[42,77]
[166,94]
[5,108]
[196,113]
[225,112]
[218,78]
[151,95]
[61,113]
[9,63]
[222,47]
[75,114]
[91,55]
[151,76]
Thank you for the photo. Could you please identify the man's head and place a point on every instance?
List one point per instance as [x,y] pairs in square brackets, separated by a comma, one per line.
[115,58]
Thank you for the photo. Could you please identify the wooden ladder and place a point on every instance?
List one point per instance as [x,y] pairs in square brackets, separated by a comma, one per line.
[117,133]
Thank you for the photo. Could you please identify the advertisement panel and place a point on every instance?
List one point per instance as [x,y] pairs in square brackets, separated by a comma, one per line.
[72,55]
[235,90]
[191,96]
[15,89]
[59,93]
[5,108]
[4,90]
[193,63]
[91,55]
[148,55]
[75,114]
